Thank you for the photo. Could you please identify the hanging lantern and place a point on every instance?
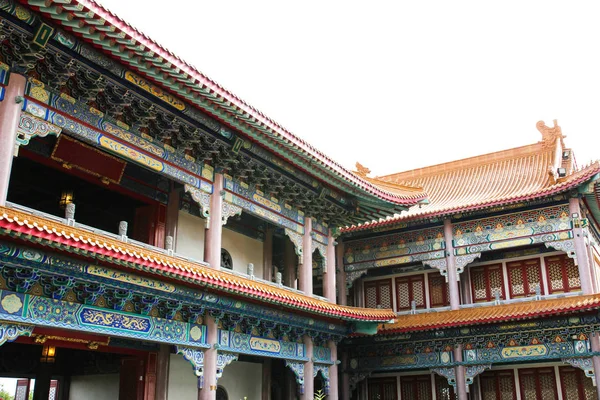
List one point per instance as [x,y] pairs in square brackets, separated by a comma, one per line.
[66,198]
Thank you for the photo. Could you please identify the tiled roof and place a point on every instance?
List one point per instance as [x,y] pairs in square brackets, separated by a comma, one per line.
[76,240]
[491,314]
[504,177]
[91,22]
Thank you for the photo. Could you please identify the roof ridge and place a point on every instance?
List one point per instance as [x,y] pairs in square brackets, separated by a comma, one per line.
[464,163]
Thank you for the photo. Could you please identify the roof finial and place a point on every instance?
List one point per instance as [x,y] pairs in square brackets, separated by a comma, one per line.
[361,170]
[549,134]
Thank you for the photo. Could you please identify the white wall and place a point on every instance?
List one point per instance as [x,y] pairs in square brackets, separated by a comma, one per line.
[190,236]
[239,379]
[94,387]
[242,379]
[243,250]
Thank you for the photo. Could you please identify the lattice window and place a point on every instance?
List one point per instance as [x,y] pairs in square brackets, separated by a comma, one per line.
[378,293]
[416,387]
[486,281]
[538,384]
[382,389]
[498,385]
[443,390]
[53,394]
[575,385]
[226,260]
[409,288]
[524,277]
[562,273]
[439,295]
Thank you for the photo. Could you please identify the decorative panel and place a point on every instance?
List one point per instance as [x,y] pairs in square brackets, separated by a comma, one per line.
[538,384]
[498,385]
[408,289]
[399,248]
[439,295]
[486,282]
[416,387]
[238,342]
[524,277]
[562,274]
[378,293]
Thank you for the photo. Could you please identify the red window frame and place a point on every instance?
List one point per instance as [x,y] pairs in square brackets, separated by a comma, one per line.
[495,377]
[524,265]
[377,285]
[442,383]
[536,372]
[564,261]
[379,384]
[486,271]
[411,294]
[579,377]
[414,380]
[445,295]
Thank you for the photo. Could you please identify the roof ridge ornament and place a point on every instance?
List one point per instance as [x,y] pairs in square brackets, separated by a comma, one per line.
[549,134]
[361,170]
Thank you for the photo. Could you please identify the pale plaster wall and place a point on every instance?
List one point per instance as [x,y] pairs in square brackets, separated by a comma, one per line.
[94,387]
[239,379]
[243,250]
[190,236]
[242,379]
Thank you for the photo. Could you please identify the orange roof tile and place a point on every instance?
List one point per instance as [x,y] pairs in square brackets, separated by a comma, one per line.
[491,314]
[55,234]
[488,180]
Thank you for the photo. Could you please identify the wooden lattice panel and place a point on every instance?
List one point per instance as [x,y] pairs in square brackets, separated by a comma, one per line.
[575,385]
[416,387]
[562,274]
[538,384]
[409,288]
[498,385]
[486,281]
[524,277]
[438,291]
[378,293]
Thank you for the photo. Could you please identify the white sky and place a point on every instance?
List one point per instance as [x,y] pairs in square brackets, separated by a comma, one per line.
[397,85]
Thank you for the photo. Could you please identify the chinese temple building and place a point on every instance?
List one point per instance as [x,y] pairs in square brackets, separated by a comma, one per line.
[162,239]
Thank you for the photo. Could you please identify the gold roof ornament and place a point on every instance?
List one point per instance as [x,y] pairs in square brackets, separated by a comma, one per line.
[361,170]
[549,134]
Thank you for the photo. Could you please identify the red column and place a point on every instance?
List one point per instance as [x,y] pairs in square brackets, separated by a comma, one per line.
[266,379]
[345,386]
[290,258]
[209,389]
[162,372]
[10,112]
[581,253]
[461,384]
[305,269]
[309,380]
[329,276]
[212,241]
[341,275]
[333,372]
[451,266]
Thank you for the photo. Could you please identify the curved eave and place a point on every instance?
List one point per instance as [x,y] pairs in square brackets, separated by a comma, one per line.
[119,40]
[57,235]
[561,187]
[491,314]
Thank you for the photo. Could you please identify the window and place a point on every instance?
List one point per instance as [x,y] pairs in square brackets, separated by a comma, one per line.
[416,387]
[486,281]
[409,288]
[382,389]
[222,393]
[498,385]
[562,274]
[439,295]
[524,277]
[443,389]
[538,383]
[226,260]
[378,293]
[575,385]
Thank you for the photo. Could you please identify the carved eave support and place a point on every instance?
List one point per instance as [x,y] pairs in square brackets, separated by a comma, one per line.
[196,358]
[297,368]
[472,371]
[462,261]
[568,246]
[440,264]
[229,210]
[351,276]
[30,127]
[583,363]
[322,249]
[324,369]
[297,240]
[9,332]
[358,377]
[223,360]
[448,373]
[202,198]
